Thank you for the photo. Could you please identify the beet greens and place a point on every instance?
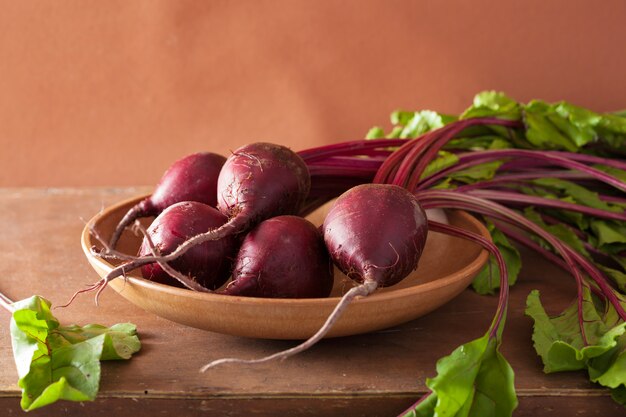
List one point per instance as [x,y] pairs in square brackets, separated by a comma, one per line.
[554,171]
[61,362]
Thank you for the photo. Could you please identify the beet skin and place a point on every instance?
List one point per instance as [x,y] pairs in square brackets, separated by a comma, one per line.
[282,257]
[208,263]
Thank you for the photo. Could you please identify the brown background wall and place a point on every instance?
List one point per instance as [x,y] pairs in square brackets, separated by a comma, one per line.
[111,92]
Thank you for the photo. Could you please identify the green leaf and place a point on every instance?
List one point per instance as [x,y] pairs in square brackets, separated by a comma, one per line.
[479,143]
[409,124]
[619,395]
[488,279]
[401,117]
[617,276]
[375,133]
[610,241]
[426,407]
[480,172]
[577,123]
[120,340]
[558,340]
[69,373]
[541,131]
[30,324]
[495,100]
[609,233]
[579,194]
[616,172]
[615,123]
[62,363]
[474,380]
[566,126]
[560,125]
[442,161]
[608,369]
[561,231]
[417,123]
[493,104]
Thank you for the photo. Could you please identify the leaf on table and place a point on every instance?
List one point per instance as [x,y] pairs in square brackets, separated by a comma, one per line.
[475,380]
[120,340]
[608,369]
[62,362]
[487,281]
[619,395]
[559,341]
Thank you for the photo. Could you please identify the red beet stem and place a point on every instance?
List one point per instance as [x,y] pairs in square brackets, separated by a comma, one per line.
[142,209]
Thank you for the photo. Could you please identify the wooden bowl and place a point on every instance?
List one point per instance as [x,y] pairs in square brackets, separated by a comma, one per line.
[446,268]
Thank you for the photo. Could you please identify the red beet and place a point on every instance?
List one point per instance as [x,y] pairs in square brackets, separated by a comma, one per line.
[192,178]
[282,257]
[375,233]
[258,181]
[208,264]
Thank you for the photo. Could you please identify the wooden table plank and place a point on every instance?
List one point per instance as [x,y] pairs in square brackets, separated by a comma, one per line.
[375,374]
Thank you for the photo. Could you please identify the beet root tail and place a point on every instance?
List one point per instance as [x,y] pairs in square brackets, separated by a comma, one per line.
[362,290]
[93,287]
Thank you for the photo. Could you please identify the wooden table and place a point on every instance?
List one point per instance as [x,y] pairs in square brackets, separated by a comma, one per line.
[377,374]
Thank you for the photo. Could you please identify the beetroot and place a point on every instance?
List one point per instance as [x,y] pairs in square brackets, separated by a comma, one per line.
[258,181]
[192,178]
[207,264]
[282,257]
[375,233]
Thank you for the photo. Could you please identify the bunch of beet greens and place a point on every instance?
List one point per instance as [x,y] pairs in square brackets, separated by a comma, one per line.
[551,177]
